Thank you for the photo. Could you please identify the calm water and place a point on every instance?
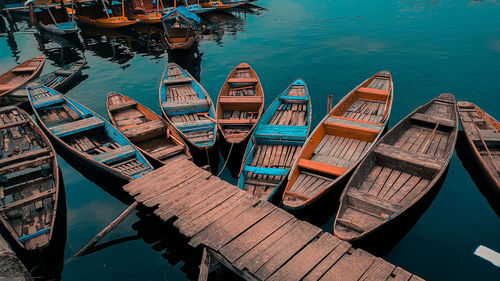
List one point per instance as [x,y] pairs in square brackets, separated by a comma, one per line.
[429,47]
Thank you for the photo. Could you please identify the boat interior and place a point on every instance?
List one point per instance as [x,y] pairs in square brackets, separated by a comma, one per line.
[20,74]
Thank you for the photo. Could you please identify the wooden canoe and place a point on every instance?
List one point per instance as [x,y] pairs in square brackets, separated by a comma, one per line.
[339,143]
[240,104]
[181,38]
[400,172]
[30,180]
[481,129]
[57,80]
[188,107]
[276,142]
[56,20]
[152,135]
[86,136]
[21,74]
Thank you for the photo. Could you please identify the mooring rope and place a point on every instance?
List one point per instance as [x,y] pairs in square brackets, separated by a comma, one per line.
[227,160]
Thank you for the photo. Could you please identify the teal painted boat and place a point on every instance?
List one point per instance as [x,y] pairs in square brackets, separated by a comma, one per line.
[276,142]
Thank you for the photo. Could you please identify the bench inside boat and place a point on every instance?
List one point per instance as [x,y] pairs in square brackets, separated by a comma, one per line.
[241,103]
[186,107]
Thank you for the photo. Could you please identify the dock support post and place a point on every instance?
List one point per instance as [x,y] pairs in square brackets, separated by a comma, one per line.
[329,103]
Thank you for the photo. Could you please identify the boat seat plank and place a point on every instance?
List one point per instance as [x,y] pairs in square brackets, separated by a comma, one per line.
[243,80]
[13,124]
[77,126]
[146,130]
[266,171]
[367,201]
[372,94]
[184,80]
[115,155]
[295,99]
[24,69]
[249,122]
[24,156]
[355,123]
[427,118]
[28,200]
[50,100]
[321,167]
[282,132]
[122,105]
[241,103]
[186,107]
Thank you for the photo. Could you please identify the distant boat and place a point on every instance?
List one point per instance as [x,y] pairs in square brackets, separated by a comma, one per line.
[338,144]
[147,11]
[482,129]
[57,80]
[30,181]
[98,14]
[153,136]
[222,5]
[56,20]
[239,106]
[86,136]
[19,75]
[401,173]
[181,29]
[276,143]
[195,8]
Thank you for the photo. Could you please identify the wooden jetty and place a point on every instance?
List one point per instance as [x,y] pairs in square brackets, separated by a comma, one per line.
[253,238]
[21,74]
[11,267]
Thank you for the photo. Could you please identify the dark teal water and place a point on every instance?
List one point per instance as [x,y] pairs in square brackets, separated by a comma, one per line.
[429,47]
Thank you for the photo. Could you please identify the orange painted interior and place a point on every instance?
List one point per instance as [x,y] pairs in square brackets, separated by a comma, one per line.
[321,167]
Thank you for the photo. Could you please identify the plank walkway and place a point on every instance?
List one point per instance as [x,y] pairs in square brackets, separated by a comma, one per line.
[253,238]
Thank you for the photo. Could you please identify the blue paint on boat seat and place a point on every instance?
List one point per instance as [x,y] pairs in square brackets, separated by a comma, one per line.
[297,98]
[33,235]
[195,127]
[282,132]
[78,126]
[266,171]
[50,100]
[116,155]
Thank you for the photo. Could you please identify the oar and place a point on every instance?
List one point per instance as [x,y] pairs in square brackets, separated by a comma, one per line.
[486,147]
[428,142]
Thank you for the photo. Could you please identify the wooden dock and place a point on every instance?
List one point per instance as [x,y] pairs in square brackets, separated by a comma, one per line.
[254,239]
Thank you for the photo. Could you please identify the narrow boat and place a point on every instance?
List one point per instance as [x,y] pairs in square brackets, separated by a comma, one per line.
[188,107]
[338,144]
[483,143]
[21,74]
[399,174]
[147,11]
[30,177]
[222,5]
[56,20]
[98,14]
[152,135]
[82,134]
[195,8]
[181,29]
[276,142]
[239,106]
[57,80]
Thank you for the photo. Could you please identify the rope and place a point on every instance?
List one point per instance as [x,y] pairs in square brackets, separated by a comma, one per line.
[208,161]
[228,156]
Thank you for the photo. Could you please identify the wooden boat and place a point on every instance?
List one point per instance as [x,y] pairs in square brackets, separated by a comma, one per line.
[30,180]
[57,80]
[188,107]
[195,8]
[400,172]
[147,11]
[222,5]
[56,20]
[181,29]
[86,136]
[240,105]
[152,135]
[97,14]
[483,138]
[276,142]
[21,74]
[338,144]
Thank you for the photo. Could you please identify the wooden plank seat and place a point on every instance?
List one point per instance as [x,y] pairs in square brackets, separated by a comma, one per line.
[355,123]
[24,69]
[7,108]
[166,152]
[349,131]
[26,164]
[281,132]
[237,103]
[145,130]
[13,124]
[491,138]
[122,105]
[228,122]
[50,100]
[250,80]
[24,156]
[295,99]
[201,125]
[28,200]
[116,155]
[372,204]
[266,170]
[186,107]
[184,80]
[77,126]
[321,167]
[372,94]
[417,163]
[427,118]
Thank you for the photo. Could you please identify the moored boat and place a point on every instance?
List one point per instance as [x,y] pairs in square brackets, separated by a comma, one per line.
[82,134]
[31,181]
[338,144]
[400,175]
[98,14]
[147,11]
[19,75]
[276,142]
[181,29]
[152,135]
[56,20]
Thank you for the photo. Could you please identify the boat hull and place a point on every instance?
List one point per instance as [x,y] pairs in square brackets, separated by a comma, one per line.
[117,22]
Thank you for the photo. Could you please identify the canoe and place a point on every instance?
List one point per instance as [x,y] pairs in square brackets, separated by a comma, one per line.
[56,20]
[57,80]
[86,136]
[400,173]
[483,143]
[153,136]
[21,74]
[181,29]
[240,105]
[30,180]
[338,144]
[112,22]
[188,107]
[276,142]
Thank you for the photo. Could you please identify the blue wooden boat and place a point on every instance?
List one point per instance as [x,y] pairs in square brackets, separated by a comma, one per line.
[86,136]
[189,108]
[276,143]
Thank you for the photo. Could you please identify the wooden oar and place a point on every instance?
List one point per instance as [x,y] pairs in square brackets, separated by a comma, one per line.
[429,138]
[486,147]
[206,115]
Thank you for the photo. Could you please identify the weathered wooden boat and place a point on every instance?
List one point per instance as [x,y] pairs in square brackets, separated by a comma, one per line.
[57,80]
[30,177]
[153,136]
[188,107]
[276,142]
[338,143]
[181,29]
[222,5]
[21,74]
[98,14]
[86,136]
[56,20]
[399,174]
[147,11]
[195,8]
[482,132]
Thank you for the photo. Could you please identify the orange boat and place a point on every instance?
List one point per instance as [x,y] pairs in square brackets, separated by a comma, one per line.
[146,11]
[338,144]
[97,14]
[19,75]
[220,5]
